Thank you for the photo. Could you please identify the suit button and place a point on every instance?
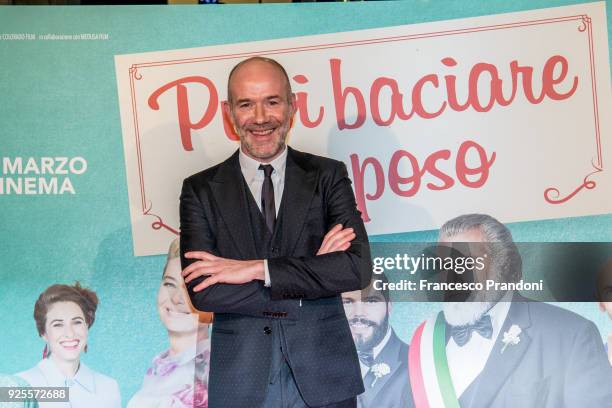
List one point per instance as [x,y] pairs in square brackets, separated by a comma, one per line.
[267,330]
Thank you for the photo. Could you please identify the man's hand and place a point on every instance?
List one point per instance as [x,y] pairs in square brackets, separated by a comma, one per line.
[221,270]
[231,271]
[337,239]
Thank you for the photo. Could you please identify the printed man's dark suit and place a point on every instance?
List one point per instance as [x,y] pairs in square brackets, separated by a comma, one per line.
[391,390]
[558,362]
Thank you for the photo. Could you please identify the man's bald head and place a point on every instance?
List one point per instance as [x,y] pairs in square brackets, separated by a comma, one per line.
[260,107]
[254,61]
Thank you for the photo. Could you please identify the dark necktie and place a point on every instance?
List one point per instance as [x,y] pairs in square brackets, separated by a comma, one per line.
[462,334]
[366,357]
[268,208]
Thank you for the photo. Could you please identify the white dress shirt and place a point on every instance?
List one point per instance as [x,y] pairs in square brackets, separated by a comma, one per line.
[87,389]
[467,362]
[255,178]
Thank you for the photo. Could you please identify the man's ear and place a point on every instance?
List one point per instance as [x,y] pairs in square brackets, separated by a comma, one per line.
[601,306]
[229,119]
[293,107]
[227,111]
[293,103]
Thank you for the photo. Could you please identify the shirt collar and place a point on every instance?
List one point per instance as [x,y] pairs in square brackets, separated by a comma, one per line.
[499,312]
[84,376]
[250,166]
[378,348]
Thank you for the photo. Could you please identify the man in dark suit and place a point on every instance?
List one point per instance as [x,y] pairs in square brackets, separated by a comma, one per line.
[269,239]
[383,357]
[504,351]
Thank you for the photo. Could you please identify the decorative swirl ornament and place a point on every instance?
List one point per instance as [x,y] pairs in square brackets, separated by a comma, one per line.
[134,72]
[552,195]
[159,224]
[586,22]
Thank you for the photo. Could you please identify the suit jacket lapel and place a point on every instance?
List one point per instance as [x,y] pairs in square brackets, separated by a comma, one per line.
[300,183]
[389,355]
[227,187]
[500,365]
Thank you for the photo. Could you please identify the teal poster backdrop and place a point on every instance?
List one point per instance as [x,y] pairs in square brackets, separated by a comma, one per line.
[58,99]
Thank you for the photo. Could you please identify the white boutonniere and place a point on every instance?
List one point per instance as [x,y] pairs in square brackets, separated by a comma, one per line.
[511,337]
[380,370]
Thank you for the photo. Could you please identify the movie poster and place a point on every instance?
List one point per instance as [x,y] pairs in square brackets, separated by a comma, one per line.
[437,109]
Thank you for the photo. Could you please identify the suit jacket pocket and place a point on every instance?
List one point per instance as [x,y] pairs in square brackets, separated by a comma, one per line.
[217,330]
[532,394]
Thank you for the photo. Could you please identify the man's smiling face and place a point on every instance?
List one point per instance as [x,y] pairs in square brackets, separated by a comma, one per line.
[260,108]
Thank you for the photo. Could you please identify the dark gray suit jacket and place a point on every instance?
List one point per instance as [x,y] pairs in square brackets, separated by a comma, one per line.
[305,289]
[393,389]
[559,362]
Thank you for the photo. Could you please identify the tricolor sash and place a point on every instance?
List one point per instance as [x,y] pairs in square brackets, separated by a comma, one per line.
[430,378]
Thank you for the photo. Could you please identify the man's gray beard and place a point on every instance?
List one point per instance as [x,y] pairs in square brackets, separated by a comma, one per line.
[464,313]
[378,334]
[253,154]
[479,303]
